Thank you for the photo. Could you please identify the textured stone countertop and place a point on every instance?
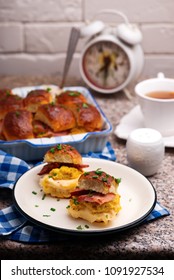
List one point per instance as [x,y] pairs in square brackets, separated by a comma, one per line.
[154,240]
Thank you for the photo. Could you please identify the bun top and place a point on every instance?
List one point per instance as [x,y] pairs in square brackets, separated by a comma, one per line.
[63,153]
[69,97]
[35,98]
[17,125]
[56,117]
[9,102]
[87,116]
[98,181]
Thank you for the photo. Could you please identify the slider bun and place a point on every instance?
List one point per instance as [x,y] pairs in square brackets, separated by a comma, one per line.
[63,153]
[9,103]
[4,92]
[89,216]
[98,181]
[56,117]
[68,97]
[87,116]
[17,125]
[35,98]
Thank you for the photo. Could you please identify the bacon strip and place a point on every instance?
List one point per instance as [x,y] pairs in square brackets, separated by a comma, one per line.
[96,197]
[49,166]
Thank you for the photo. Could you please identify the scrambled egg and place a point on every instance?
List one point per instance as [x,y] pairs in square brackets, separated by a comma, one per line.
[65,173]
[60,182]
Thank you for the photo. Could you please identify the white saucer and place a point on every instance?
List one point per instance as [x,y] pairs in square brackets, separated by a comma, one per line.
[133,120]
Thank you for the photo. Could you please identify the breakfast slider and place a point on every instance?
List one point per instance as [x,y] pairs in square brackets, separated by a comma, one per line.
[96,198]
[61,172]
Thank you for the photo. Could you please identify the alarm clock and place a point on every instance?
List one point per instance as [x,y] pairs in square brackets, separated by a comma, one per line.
[112,57]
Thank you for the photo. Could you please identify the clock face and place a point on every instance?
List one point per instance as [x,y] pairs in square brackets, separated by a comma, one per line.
[106,65]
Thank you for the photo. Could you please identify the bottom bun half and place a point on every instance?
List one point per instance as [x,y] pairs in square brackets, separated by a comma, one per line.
[93,212]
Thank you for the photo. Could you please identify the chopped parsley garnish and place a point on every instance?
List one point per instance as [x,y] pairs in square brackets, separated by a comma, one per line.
[43,197]
[74,93]
[53,209]
[98,171]
[86,173]
[104,179]
[34,192]
[52,150]
[48,89]
[75,201]
[67,206]
[36,205]
[95,177]
[8,92]
[17,113]
[59,147]
[46,215]
[79,227]
[118,180]
[85,105]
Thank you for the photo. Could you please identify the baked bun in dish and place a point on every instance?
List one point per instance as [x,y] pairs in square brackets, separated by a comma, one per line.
[4,92]
[96,199]
[61,172]
[69,97]
[35,98]
[17,125]
[9,102]
[87,116]
[56,117]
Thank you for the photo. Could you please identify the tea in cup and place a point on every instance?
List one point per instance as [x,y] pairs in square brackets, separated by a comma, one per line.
[156,99]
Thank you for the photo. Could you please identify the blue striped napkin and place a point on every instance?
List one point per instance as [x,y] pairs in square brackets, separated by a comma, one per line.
[14,226]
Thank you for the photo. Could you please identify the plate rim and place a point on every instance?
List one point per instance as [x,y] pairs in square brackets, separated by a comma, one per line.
[93,232]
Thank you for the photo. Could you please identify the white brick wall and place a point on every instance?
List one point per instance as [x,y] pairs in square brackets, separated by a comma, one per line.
[34,34]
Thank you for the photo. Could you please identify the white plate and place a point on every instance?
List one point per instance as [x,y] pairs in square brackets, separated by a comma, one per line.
[133,120]
[138,199]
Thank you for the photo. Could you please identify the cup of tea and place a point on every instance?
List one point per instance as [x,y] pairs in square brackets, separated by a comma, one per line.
[156,99]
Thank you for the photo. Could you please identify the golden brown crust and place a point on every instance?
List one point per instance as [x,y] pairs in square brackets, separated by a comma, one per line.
[87,116]
[9,103]
[63,153]
[68,97]
[98,181]
[17,125]
[56,117]
[35,98]
[50,118]
[4,92]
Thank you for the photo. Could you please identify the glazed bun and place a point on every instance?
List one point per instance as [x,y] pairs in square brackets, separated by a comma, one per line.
[63,153]
[35,98]
[17,125]
[9,103]
[68,97]
[87,116]
[98,181]
[4,92]
[56,117]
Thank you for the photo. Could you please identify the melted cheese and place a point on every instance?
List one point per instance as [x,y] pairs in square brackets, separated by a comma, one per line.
[92,212]
[54,184]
